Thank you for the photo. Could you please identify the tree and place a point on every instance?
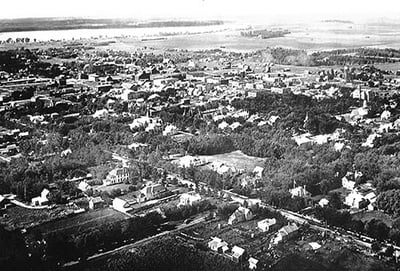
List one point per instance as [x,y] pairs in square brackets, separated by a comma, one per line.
[324,186]
[389,202]
[335,200]
[376,247]
[377,229]
[389,251]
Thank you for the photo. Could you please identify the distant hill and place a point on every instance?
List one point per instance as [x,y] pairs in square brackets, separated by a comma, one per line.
[338,21]
[42,24]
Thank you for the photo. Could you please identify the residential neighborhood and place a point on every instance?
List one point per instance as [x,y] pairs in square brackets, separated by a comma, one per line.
[117,154]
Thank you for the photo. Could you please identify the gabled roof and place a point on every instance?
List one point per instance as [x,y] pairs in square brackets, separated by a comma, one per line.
[288,229]
[237,251]
[97,200]
[253,261]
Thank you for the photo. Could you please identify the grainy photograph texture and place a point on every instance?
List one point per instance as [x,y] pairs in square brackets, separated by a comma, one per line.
[199,135]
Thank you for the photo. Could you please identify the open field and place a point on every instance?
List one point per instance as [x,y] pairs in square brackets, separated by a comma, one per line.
[109,188]
[237,159]
[84,221]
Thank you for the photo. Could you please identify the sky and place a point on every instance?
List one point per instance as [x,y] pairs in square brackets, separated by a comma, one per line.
[201,9]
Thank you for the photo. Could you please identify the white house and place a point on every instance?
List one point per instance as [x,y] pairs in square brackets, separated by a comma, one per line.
[265,224]
[235,125]
[65,152]
[42,199]
[285,233]
[121,205]
[363,193]
[189,199]
[170,130]
[223,125]
[385,127]
[385,115]
[370,140]
[222,168]
[152,191]
[253,263]
[237,253]
[117,175]
[323,202]
[95,203]
[216,243]
[241,214]
[188,161]
[348,183]
[146,122]
[258,171]
[84,186]
[102,113]
[300,191]
[272,120]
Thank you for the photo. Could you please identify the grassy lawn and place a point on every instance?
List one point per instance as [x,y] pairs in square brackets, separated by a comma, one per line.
[109,188]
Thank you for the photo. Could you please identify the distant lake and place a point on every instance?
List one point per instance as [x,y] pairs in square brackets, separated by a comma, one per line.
[111,32]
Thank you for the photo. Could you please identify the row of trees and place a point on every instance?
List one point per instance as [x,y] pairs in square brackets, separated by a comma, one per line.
[374,228]
[174,213]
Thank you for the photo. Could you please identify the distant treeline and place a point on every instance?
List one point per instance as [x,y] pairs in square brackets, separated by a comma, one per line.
[42,24]
[337,21]
[265,33]
[362,56]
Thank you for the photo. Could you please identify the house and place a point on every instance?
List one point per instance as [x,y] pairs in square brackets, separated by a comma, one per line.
[300,191]
[153,191]
[121,205]
[385,127]
[385,115]
[241,214]
[235,125]
[117,175]
[95,203]
[42,199]
[189,161]
[84,186]
[286,233]
[237,254]
[189,198]
[66,152]
[258,171]
[253,263]
[347,182]
[216,244]
[265,224]
[170,130]
[364,194]
[223,125]
[100,114]
[222,168]
[93,77]
[359,113]
[370,140]
[314,245]
[146,122]
[323,202]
